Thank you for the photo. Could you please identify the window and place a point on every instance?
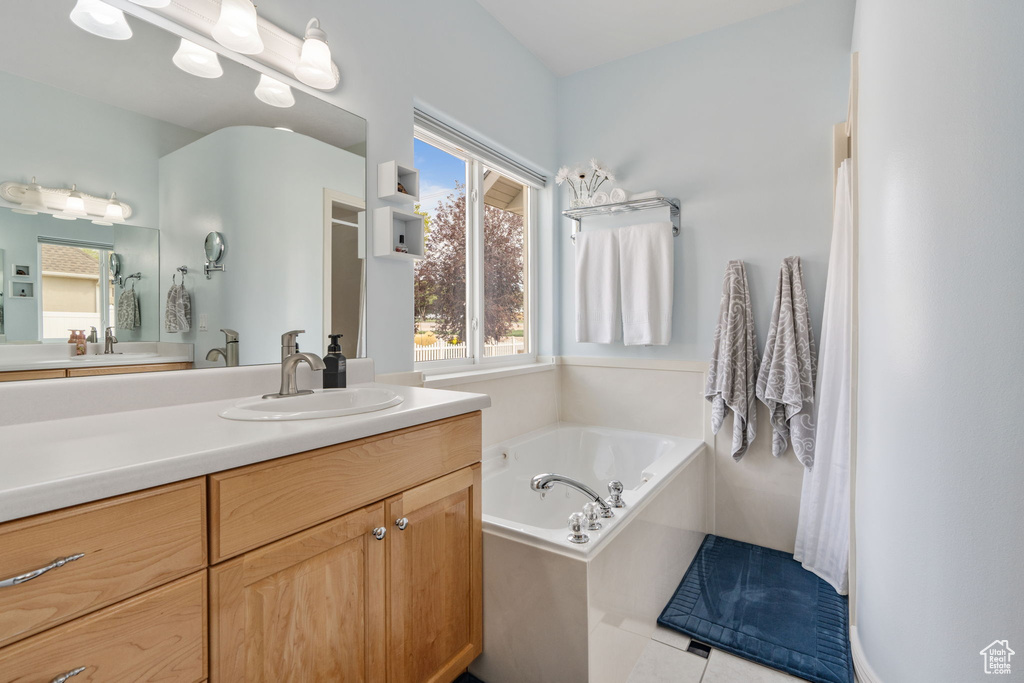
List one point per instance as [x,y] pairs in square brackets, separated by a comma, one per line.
[472,291]
[72,295]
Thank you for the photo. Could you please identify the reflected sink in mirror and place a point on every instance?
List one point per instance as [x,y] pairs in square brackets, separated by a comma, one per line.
[320,404]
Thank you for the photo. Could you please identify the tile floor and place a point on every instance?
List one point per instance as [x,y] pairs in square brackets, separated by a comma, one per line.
[665,660]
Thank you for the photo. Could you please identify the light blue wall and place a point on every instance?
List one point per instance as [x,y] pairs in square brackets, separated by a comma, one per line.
[456,58]
[736,123]
[263,188]
[939,466]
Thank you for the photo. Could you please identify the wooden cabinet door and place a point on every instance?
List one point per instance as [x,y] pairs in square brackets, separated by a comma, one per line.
[434,579]
[309,607]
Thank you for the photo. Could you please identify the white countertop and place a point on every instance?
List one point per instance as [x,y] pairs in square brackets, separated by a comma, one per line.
[58,463]
[58,356]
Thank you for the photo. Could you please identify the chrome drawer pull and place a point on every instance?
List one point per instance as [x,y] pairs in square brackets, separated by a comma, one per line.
[59,562]
[379,532]
[402,523]
[64,677]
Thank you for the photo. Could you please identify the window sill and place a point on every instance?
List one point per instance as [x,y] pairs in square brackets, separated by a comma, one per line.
[482,374]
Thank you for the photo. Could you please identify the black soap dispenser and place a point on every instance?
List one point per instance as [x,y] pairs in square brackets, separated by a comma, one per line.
[334,372]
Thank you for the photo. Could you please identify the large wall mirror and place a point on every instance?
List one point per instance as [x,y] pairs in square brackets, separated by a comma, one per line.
[281,178]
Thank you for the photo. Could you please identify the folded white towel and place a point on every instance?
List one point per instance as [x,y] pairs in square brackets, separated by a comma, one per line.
[598,317]
[646,265]
[786,381]
[649,194]
[599,198]
[618,195]
[732,373]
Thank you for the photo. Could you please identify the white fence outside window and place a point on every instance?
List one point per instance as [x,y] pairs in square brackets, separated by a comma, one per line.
[444,351]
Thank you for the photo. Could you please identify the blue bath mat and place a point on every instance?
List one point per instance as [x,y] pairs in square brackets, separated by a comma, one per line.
[760,604]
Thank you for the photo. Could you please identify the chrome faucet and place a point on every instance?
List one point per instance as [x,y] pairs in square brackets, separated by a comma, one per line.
[544,482]
[229,352]
[291,363]
[109,340]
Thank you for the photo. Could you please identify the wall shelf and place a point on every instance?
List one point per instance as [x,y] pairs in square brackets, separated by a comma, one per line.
[577,215]
[389,174]
[388,224]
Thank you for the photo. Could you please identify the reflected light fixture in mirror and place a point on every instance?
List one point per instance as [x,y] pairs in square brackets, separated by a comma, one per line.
[236,29]
[32,203]
[75,207]
[274,92]
[197,60]
[101,19]
[315,67]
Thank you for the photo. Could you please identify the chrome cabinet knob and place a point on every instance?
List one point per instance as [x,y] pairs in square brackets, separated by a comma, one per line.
[379,532]
[592,512]
[401,523]
[576,522]
[615,489]
[65,676]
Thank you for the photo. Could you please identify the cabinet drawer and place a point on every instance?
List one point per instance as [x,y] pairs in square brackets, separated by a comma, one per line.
[157,636]
[254,505]
[128,544]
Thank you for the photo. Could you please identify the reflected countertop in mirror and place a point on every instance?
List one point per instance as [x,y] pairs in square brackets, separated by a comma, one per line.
[190,156]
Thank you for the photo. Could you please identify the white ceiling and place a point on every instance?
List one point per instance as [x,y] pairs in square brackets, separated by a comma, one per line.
[572,36]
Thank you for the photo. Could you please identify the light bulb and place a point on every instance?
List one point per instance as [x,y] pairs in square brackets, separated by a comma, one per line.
[273,92]
[75,205]
[236,29]
[115,212]
[315,67]
[152,3]
[32,201]
[101,19]
[197,60]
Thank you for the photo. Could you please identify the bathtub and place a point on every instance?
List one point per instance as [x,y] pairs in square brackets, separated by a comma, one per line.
[566,612]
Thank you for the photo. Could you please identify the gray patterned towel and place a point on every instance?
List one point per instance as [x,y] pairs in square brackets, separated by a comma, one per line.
[128,313]
[733,370]
[178,316]
[786,381]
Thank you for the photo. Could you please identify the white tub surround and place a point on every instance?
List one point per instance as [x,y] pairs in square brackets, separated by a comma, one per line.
[79,458]
[561,611]
[56,356]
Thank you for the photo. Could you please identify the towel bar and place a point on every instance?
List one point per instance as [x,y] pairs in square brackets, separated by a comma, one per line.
[577,215]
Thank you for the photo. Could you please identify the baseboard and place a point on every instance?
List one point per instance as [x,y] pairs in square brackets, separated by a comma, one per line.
[863,670]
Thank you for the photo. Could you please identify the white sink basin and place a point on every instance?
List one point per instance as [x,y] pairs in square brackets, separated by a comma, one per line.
[322,403]
[113,358]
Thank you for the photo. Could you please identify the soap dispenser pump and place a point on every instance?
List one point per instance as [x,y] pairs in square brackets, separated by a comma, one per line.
[334,373]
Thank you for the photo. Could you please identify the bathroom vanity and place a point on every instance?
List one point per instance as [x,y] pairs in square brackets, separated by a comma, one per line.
[357,560]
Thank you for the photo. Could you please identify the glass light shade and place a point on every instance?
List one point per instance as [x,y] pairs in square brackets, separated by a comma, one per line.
[152,3]
[101,19]
[197,60]
[32,201]
[76,203]
[65,217]
[315,67]
[273,92]
[115,212]
[236,28]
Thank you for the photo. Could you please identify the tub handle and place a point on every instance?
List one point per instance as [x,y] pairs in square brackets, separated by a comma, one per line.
[401,523]
[615,489]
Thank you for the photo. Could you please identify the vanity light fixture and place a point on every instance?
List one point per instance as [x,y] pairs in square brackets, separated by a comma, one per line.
[274,92]
[315,67]
[197,60]
[63,203]
[236,29]
[101,19]
[32,201]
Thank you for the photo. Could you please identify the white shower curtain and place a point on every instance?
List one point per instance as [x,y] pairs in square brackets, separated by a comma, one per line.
[823,532]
